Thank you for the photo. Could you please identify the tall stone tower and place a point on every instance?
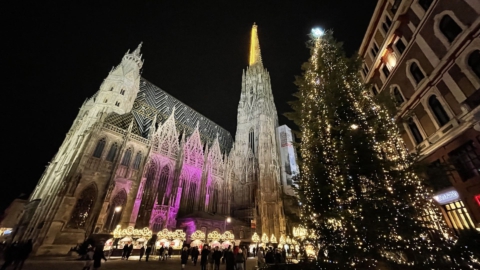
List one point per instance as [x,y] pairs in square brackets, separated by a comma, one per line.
[256,173]
[59,213]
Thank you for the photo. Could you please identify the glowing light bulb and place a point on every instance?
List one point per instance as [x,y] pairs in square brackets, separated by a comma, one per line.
[317,32]
[354,126]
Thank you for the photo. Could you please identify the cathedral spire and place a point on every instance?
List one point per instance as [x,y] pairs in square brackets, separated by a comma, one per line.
[255,56]
[137,50]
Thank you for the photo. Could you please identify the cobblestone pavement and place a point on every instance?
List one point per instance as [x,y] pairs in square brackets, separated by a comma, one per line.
[117,264]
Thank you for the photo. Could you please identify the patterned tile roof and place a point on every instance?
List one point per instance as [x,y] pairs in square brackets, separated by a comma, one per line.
[151,101]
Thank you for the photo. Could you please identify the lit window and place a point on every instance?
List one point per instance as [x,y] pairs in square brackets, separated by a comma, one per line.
[474,62]
[415,131]
[466,161]
[449,28]
[416,72]
[425,4]
[99,148]
[398,96]
[459,217]
[438,111]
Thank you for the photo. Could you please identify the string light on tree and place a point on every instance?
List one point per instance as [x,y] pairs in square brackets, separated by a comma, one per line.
[358,191]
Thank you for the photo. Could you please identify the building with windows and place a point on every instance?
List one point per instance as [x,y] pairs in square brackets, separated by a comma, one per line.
[136,156]
[425,56]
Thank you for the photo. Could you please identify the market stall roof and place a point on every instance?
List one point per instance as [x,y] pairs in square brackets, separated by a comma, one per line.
[141,239]
[126,239]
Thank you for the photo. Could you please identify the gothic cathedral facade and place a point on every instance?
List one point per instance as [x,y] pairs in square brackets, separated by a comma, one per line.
[136,156]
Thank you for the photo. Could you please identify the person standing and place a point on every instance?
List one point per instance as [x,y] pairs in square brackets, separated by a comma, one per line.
[130,249]
[204,258]
[254,252]
[229,259]
[165,253]
[10,254]
[184,257]
[195,253]
[147,252]
[260,258]
[142,251]
[98,255]
[245,256]
[125,251]
[217,256]
[88,259]
[210,259]
[23,252]
[162,249]
[170,251]
[240,260]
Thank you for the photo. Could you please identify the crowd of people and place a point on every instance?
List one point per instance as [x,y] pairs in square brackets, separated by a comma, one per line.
[235,258]
[16,254]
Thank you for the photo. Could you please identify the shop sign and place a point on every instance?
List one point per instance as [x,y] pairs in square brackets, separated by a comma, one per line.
[446,196]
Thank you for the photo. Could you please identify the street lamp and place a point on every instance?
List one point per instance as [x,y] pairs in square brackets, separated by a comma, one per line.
[227,220]
[116,210]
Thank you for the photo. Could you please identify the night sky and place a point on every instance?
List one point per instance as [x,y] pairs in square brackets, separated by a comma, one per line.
[57,55]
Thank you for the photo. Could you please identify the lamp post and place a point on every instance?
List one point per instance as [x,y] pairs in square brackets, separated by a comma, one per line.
[116,210]
[227,220]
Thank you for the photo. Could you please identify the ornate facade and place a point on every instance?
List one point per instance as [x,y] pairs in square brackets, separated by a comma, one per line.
[135,156]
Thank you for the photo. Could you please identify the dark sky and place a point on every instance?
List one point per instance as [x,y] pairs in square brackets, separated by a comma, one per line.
[56,56]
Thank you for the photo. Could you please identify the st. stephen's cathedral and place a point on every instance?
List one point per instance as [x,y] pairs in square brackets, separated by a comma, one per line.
[136,156]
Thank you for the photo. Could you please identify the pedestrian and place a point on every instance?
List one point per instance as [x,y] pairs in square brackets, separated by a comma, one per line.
[260,258]
[184,257]
[147,252]
[142,251]
[98,255]
[254,252]
[217,256]
[24,251]
[165,253]
[204,258]
[88,259]
[284,255]
[125,251]
[161,253]
[195,253]
[170,252]
[245,256]
[229,259]
[240,260]
[10,254]
[210,259]
[130,249]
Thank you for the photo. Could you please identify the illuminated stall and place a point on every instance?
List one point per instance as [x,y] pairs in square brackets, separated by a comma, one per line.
[227,239]
[214,238]
[168,238]
[197,239]
[122,237]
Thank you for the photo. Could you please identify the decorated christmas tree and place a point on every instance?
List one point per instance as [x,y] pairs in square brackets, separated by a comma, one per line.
[359,196]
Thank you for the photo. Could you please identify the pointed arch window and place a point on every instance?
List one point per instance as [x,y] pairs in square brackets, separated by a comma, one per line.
[127,157]
[191,197]
[162,185]
[438,111]
[416,72]
[99,148]
[474,62]
[449,28]
[83,208]
[398,96]
[113,151]
[137,161]
[415,131]
[157,224]
[122,92]
[374,90]
[251,140]
[115,209]
[215,199]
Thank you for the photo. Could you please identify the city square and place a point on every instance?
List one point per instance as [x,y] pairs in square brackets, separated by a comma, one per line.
[313,135]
